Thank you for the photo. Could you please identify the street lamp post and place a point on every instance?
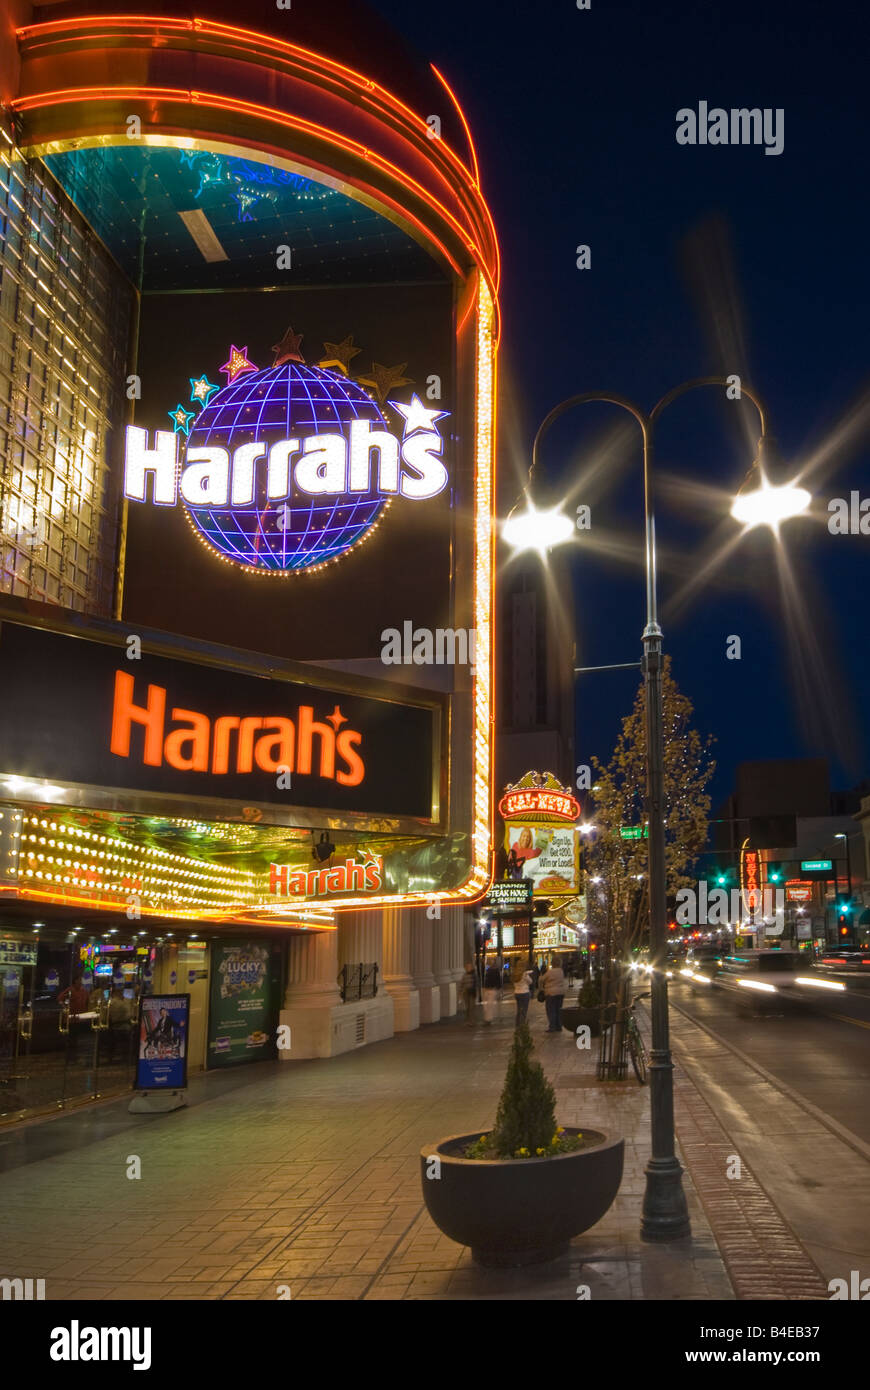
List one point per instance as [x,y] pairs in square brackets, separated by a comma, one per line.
[842,836]
[665,1214]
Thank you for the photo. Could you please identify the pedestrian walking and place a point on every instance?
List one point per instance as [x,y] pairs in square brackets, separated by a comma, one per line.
[554,987]
[491,986]
[522,994]
[468,991]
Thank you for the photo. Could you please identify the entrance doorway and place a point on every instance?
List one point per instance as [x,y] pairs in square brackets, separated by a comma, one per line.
[67,1021]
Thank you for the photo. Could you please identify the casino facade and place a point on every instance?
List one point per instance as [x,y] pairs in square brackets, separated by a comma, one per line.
[248,327]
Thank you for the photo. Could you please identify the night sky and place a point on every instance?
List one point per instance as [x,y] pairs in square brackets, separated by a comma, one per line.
[704,260]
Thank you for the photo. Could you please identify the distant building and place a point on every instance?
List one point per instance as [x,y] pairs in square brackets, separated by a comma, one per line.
[784,808]
[535,670]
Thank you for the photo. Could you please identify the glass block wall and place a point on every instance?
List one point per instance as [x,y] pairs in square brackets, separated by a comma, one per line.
[65,313]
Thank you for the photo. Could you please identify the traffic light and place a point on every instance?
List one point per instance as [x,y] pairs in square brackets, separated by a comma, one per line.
[775,873]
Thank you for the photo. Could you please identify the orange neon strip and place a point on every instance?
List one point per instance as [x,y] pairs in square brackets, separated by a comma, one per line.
[206,99]
[354,79]
[461,114]
[227,918]
[473,150]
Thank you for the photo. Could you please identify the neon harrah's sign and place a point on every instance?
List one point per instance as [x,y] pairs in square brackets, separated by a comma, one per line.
[329,465]
[287,468]
[351,876]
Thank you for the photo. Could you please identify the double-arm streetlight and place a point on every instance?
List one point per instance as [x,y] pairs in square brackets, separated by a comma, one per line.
[665,1214]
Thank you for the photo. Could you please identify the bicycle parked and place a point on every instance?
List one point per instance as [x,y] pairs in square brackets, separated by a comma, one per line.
[632,1037]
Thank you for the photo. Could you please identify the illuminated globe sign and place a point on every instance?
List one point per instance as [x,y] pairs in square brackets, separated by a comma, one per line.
[295,530]
[286,469]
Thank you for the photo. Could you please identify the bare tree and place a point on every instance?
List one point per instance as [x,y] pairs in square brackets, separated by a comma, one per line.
[619,793]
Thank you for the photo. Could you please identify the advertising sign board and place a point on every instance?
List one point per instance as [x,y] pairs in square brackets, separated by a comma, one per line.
[164,1024]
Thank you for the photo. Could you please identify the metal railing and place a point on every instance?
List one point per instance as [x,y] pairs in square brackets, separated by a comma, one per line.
[358,982]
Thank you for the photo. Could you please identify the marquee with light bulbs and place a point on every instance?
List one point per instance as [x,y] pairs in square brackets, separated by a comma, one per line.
[256,114]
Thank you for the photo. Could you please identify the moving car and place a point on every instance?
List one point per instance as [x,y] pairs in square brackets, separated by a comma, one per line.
[772,979]
[701,967]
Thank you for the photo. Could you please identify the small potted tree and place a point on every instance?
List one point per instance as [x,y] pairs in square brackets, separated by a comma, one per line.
[518,1193]
[586,1010]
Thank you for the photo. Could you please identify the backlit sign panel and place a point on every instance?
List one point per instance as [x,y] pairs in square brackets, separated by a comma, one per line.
[78,711]
[510,893]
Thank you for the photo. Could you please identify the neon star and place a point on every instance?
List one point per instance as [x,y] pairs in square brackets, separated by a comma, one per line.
[288,349]
[181,418]
[237,363]
[383,379]
[201,389]
[336,719]
[417,416]
[339,355]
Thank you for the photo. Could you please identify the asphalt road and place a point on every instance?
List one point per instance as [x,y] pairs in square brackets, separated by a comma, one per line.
[822,1053]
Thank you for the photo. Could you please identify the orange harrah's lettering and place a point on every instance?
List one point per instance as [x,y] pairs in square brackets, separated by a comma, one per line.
[272,742]
[341,878]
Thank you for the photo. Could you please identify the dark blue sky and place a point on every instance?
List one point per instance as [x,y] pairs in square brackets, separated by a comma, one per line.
[574,118]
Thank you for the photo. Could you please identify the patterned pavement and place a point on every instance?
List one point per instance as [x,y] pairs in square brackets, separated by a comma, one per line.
[302,1180]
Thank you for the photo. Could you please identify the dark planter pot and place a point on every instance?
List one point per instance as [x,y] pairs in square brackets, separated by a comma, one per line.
[574,1016]
[520,1211]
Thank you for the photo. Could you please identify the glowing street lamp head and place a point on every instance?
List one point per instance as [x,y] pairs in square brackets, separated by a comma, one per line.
[763,503]
[537,530]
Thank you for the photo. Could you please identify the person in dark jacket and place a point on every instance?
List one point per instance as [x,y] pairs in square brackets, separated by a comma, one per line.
[468,991]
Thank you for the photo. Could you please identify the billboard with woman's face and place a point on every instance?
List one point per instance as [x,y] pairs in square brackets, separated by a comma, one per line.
[540,839]
[547,854]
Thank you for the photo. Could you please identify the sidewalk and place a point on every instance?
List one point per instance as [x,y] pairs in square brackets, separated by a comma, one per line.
[307,1175]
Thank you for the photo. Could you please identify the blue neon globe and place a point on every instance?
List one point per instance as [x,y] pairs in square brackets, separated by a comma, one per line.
[302,532]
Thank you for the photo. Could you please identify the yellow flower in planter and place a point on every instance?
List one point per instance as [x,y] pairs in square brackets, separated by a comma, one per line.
[560,1130]
[540,1151]
[523,1153]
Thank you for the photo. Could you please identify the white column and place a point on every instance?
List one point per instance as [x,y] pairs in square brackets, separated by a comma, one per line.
[359,939]
[460,951]
[360,942]
[441,962]
[311,996]
[421,966]
[397,969]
